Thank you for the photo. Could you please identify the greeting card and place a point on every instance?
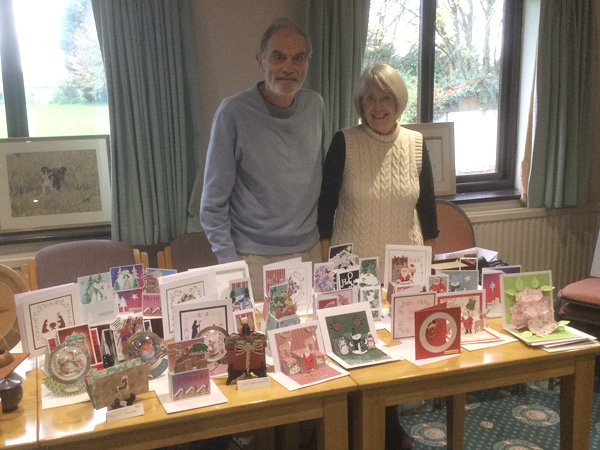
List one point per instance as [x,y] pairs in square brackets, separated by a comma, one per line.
[437,331]
[372,296]
[407,264]
[151,277]
[369,266]
[240,294]
[324,277]
[242,318]
[97,298]
[438,283]
[350,336]
[192,317]
[527,309]
[402,311]
[462,280]
[127,277]
[41,313]
[342,256]
[333,298]
[299,356]
[190,384]
[299,277]
[151,305]
[347,278]
[187,355]
[490,283]
[181,288]
[79,334]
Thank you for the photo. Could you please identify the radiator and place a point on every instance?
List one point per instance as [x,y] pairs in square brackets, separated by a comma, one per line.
[561,240]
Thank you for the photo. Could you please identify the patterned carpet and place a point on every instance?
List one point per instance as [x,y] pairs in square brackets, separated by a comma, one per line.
[512,418]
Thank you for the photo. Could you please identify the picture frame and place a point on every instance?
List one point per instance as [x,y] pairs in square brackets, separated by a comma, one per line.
[54,182]
[439,139]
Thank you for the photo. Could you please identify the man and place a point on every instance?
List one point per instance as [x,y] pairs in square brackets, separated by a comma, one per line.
[265,156]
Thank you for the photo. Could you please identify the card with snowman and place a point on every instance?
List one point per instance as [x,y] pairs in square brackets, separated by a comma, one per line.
[350,336]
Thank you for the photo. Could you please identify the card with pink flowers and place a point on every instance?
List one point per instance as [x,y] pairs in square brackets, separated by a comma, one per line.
[527,308]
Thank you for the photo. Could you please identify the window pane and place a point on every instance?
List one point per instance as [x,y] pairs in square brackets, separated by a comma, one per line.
[393,39]
[467,69]
[64,78]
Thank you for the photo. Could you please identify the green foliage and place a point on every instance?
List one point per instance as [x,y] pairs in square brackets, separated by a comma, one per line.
[85,82]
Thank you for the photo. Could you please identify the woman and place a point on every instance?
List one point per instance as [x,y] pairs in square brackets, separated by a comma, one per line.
[377,179]
[378,185]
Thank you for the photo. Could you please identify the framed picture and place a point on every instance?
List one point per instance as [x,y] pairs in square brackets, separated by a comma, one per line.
[54,182]
[439,139]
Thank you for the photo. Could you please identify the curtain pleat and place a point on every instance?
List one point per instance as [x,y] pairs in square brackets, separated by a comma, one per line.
[565,85]
[338,32]
[151,79]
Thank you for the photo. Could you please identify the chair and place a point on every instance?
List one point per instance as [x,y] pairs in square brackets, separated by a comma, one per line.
[63,263]
[187,251]
[456,230]
[10,284]
[580,300]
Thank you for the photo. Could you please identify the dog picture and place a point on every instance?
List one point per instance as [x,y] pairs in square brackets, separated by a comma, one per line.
[53,179]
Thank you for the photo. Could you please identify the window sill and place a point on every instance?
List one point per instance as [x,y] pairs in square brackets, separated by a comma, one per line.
[484,196]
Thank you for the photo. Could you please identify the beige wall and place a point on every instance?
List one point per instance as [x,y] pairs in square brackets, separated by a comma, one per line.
[595,179]
[229,32]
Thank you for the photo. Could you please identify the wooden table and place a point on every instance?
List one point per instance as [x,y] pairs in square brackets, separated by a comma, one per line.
[399,382]
[77,426]
[18,429]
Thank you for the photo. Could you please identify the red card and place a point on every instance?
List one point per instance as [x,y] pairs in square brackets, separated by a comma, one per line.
[437,331]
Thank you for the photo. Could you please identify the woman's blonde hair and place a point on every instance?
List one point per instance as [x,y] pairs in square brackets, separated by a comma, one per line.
[386,78]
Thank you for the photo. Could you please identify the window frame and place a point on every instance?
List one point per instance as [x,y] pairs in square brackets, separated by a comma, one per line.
[508,102]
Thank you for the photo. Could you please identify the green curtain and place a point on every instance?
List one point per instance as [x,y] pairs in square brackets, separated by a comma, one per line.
[147,47]
[564,102]
[338,32]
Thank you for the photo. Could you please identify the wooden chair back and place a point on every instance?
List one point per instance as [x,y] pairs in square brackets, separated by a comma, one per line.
[456,230]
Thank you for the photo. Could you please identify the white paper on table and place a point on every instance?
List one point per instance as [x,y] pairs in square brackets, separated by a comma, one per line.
[51,400]
[406,350]
[506,339]
[288,383]
[565,347]
[215,397]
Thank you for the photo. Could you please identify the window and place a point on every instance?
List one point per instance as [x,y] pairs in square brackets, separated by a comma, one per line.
[61,90]
[461,64]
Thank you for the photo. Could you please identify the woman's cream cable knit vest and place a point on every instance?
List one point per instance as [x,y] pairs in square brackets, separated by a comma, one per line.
[379,192]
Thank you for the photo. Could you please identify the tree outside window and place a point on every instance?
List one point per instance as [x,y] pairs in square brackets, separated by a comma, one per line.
[63,74]
[466,44]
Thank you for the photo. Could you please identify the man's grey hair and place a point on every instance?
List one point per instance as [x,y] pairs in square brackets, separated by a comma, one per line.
[280,24]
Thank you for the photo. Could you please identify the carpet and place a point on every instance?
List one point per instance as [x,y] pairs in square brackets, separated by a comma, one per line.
[523,417]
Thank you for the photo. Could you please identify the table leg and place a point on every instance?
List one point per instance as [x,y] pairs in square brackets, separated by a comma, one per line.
[368,420]
[576,399]
[332,429]
[455,421]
